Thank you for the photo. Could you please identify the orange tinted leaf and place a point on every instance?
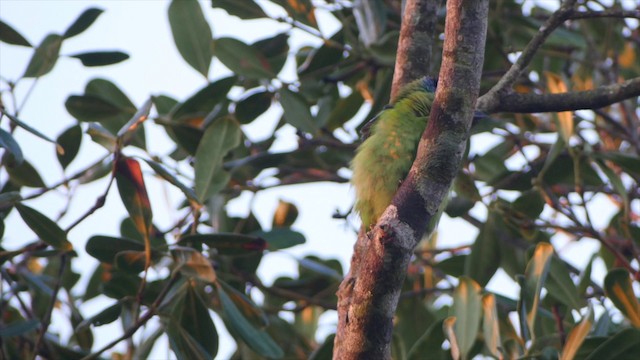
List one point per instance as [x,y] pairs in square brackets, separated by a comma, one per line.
[133,193]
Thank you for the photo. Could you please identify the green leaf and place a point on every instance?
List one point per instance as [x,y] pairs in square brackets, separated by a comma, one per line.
[629,163]
[227,243]
[8,143]
[164,104]
[535,277]
[90,108]
[204,101]
[617,184]
[467,311]
[276,49]
[18,328]
[281,238]
[106,316]
[70,141]
[8,199]
[100,58]
[165,174]
[246,9]
[242,59]
[252,106]
[344,110]
[193,264]
[296,111]
[133,193]
[46,229]
[619,289]
[191,33]
[484,259]
[560,285]
[24,174]
[530,203]
[577,336]
[83,22]
[490,327]
[11,36]
[623,345]
[136,120]
[45,56]
[103,137]
[258,340]
[130,261]
[192,334]
[220,136]
[105,248]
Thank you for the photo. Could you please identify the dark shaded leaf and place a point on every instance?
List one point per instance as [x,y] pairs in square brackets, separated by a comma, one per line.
[242,59]
[530,203]
[70,141]
[90,108]
[19,328]
[45,56]
[106,316]
[276,49]
[8,143]
[252,106]
[191,34]
[191,332]
[618,287]
[46,229]
[623,345]
[259,341]
[281,238]
[484,259]
[219,137]
[100,58]
[164,104]
[105,248]
[24,174]
[130,261]
[8,199]
[246,9]
[344,111]
[203,102]
[83,22]
[560,285]
[227,243]
[296,111]
[11,36]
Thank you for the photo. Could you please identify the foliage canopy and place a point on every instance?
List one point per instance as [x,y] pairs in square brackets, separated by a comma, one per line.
[539,186]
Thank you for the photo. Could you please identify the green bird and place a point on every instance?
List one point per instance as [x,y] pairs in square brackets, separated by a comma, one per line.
[384,158]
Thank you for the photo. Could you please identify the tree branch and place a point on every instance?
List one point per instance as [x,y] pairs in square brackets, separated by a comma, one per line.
[492,98]
[368,296]
[417,34]
[614,13]
[538,103]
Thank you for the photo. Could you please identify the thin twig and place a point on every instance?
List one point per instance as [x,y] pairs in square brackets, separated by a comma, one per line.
[140,322]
